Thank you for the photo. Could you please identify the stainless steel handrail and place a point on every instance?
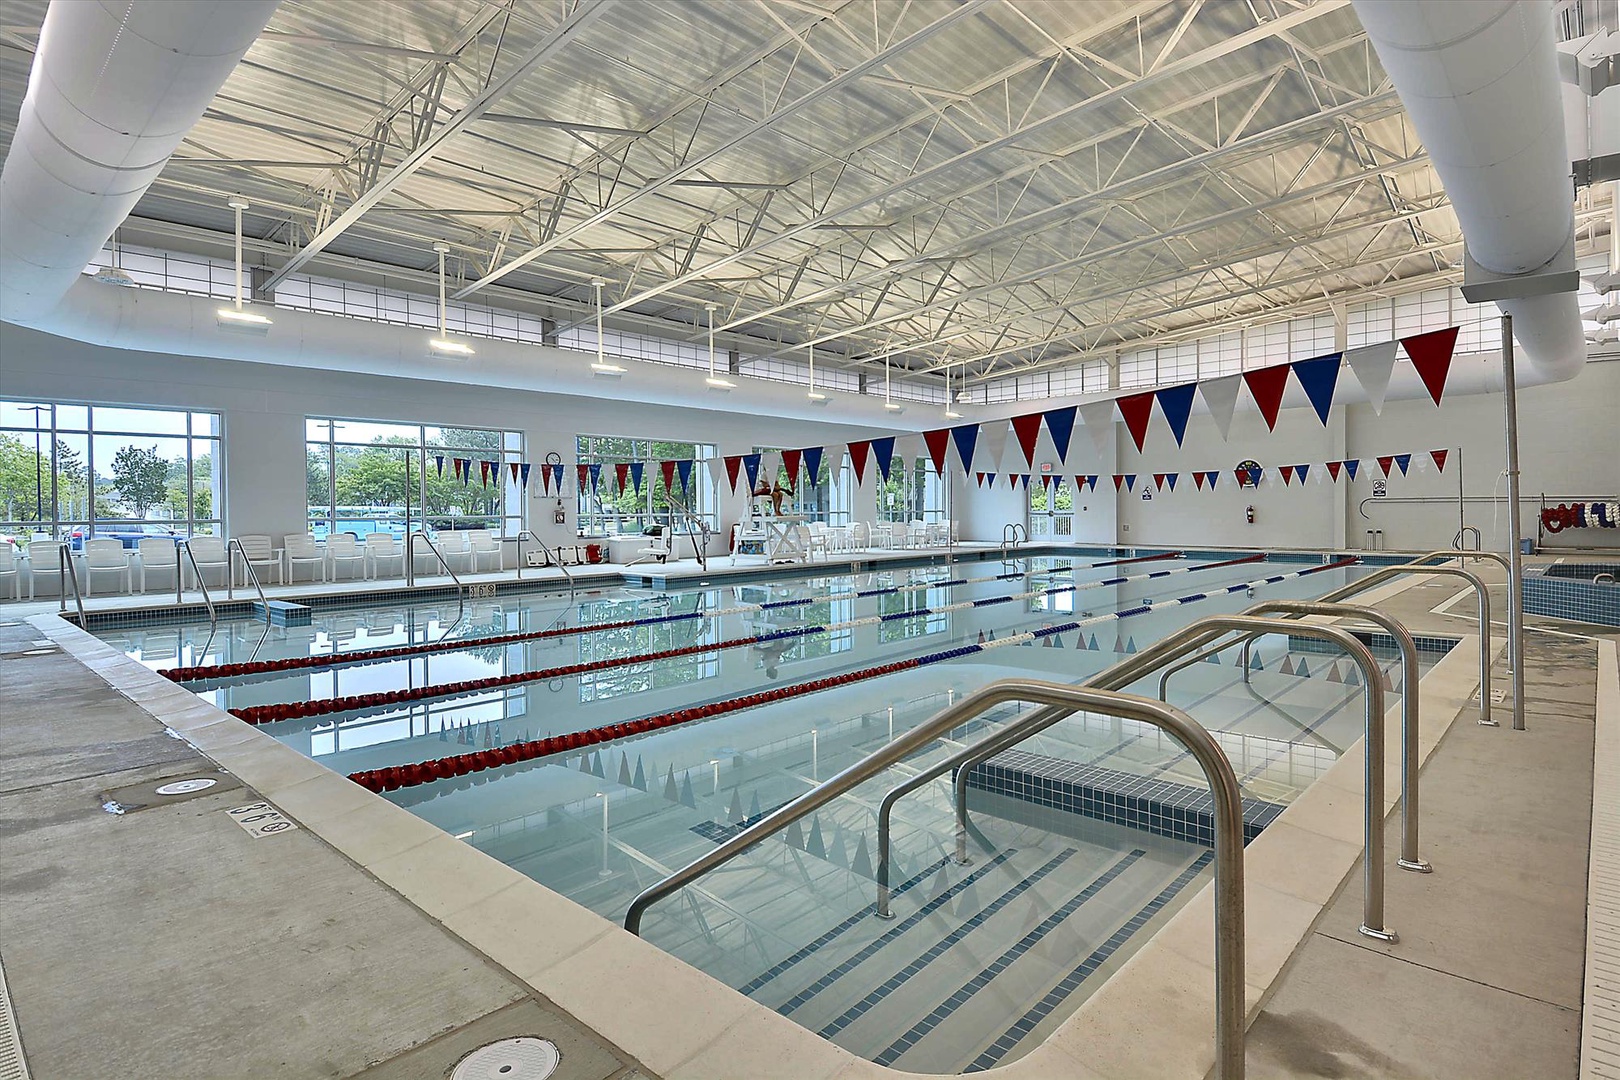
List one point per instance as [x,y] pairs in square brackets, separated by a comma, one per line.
[1190,638]
[1217,649]
[1298,609]
[1383,574]
[202,586]
[65,571]
[1479,539]
[1229,942]
[1515,616]
[234,545]
[410,559]
[555,561]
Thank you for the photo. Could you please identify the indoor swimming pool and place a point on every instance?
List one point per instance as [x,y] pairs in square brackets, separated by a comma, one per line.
[599,741]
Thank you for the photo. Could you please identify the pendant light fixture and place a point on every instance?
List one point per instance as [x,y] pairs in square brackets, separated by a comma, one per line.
[724,386]
[601,366]
[891,406]
[816,396]
[950,407]
[238,315]
[442,344]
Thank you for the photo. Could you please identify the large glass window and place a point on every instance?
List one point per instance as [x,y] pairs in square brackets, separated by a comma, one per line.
[608,509]
[363,477]
[913,492]
[73,472]
[1051,509]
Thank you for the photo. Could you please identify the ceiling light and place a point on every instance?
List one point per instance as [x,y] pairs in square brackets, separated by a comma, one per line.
[237,314]
[241,317]
[714,381]
[817,396]
[446,347]
[894,406]
[600,366]
[606,370]
[952,414]
[442,345]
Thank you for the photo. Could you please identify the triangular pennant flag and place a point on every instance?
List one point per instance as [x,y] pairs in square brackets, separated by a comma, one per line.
[1046,481]
[1266,386]
[1091,481]
[1318,377]
[733,464]
[883,454]
[1351,465]
[1385,462]
[1136,410]
[717,471]
[582,475]
[1175,402]
[1028,430]
[513,466]
[1402,462]
[483,473]
[1439,457]
[1158,481]
[857,458]
[1060,426]
[1287,666]
[812,463]
[1130,481]
[1431,355]
[939,444]
[1287,474]
[965,437]
[1119,481]
[636,471]
[770,466]
[1022,479]
[666,469]
[438,463]
[1333,468]
[1172,477]
[993,444]
[1198,480]
[751,471]
[596,478]
[1221,395]
[525,471]
[1372,365]
[1098,417]
[790,463]
[980,478]
[683,468]
[990,478]
[1303,471]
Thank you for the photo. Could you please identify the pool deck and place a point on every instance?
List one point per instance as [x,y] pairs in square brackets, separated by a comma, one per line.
[367,943]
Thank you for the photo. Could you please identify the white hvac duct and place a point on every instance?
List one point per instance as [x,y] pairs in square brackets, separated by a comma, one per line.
[1479,78]
[114,88]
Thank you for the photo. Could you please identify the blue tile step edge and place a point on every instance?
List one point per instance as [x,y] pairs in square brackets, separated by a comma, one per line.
[1579,601]
[283,613]
[1381,644]
[1162,807]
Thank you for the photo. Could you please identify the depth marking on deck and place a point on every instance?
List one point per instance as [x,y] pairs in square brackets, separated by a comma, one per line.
[260,819]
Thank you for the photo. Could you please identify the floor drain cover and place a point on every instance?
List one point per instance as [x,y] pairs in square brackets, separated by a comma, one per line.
[524,1058]
[186,787]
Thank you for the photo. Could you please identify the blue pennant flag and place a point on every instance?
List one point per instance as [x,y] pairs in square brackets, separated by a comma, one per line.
[1060,425]
[1302,471]
[1211,478]
[812,462]
[1176,404]
[523,469]
[1351,465]
[1130,481]
[438,463]
[683,469]
[990,478]
[596,477]
[556,476]
[1319,376]
[883,451]
[966,438]
[751,470]
[1402,461]
[636,469]
[1170,479]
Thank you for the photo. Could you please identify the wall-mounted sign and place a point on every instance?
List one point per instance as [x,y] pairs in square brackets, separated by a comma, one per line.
[1380,489]
[1248,473]
[1046,468]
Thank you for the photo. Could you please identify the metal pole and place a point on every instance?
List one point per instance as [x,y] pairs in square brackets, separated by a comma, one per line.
[1462,520]
[604,872]
[1515,618]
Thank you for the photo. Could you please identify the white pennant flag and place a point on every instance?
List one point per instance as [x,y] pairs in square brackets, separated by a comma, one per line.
[1221,396]
[1098,417]
[770,466]
[992,445]
[717,472]
[1373,365]
[908,448]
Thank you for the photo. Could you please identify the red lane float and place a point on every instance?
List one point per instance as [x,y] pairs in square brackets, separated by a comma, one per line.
[395,777]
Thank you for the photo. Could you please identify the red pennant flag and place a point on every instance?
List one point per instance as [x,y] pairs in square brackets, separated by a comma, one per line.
[1439,457]
[1028,429]
[1198,479]
[857,457]
[1046,480]
[1267,386]
[1136,409]
[667,468]
[1158,481]
[1333,468]
[514,467]
[1431,356]
[1287,474]
[980,477]
[733,463]
[1385,462]
[790,462]
[582,473]
[939,442]
[621,473]
[1119,480]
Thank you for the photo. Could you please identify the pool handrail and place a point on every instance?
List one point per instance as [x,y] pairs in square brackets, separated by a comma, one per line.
[410,559]
[1228,815]
[551,555]
[67,574]
[1190,638]
[202,586]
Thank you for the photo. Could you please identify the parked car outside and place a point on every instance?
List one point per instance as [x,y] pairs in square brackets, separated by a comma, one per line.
[128,533]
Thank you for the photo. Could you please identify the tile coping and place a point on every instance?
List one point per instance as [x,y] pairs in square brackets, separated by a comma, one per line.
[677,1020]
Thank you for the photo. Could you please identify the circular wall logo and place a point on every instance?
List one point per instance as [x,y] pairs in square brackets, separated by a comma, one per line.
[1248,473]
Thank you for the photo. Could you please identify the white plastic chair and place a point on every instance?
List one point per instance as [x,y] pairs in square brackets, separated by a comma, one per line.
[11,567]
[342,550]
[916,534]
[208,553]
[106,557]
[380,547]
[483,547]
[299,549]
[44,558]
[657,548]
[262,556]
[456,549]
[858,537]
[157,553]
[817,540]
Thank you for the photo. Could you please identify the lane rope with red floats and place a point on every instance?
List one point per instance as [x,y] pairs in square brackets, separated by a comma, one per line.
[316,707]
[209,674]
[395,777]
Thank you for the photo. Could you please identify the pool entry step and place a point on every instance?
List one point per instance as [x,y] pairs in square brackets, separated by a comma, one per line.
[282,613]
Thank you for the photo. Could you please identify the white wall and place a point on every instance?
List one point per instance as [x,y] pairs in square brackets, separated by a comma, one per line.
[264,409]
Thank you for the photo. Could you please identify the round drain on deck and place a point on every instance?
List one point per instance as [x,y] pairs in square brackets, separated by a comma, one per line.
[523,1058]
[186,787]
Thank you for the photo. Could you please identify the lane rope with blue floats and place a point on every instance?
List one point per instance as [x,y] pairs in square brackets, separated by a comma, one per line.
[472,766]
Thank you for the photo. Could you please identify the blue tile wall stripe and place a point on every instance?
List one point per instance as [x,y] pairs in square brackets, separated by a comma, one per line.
[978,982]
[1099,956]
[941,947]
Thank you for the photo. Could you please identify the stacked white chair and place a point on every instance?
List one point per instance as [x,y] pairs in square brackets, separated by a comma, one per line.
[105,557]
[158,554]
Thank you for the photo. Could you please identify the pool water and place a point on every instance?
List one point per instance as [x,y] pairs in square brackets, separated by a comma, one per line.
[983,960]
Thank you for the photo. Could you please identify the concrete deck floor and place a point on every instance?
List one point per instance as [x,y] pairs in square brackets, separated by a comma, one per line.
[187,949]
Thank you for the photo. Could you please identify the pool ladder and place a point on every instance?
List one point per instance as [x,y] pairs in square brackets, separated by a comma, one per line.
[1009,538]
